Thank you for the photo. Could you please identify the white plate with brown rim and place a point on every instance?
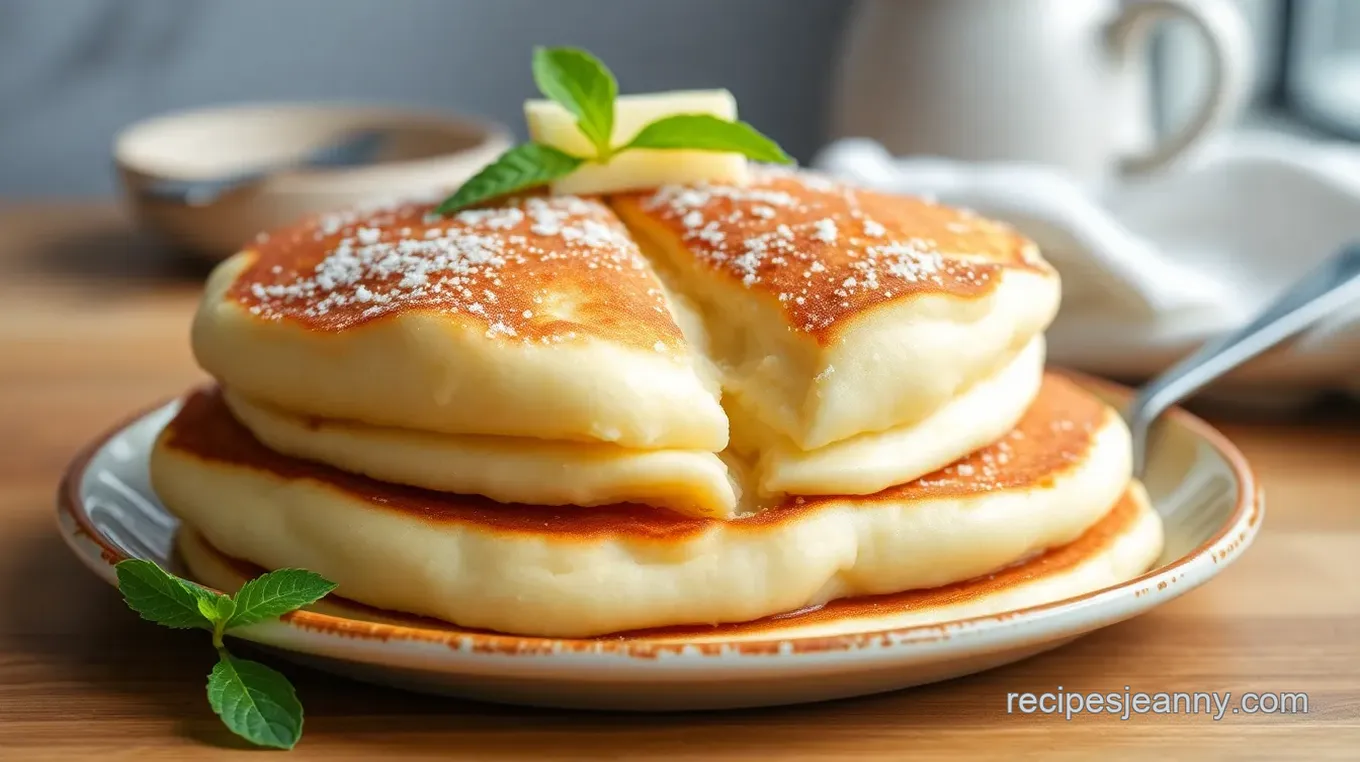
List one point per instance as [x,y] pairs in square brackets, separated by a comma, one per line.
[1209,502]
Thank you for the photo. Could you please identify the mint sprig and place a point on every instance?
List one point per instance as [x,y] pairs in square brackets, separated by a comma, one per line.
[254,701]
[272,595]
[162,598]
[705,132]
[584,86]
[522,167]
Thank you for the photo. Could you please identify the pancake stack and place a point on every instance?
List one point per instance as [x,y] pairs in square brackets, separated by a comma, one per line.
[702,404]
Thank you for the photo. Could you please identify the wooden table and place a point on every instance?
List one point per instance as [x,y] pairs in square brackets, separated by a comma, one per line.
[93,324]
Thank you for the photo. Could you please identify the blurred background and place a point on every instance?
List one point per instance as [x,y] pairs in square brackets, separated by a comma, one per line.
[1245,113]
[73,72]
[1180,162]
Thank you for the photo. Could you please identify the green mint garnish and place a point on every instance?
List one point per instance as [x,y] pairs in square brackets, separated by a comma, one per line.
[524,166]
[160,597]
[274,594]
[254,701]
[217,610]
[706,132]
[584,86]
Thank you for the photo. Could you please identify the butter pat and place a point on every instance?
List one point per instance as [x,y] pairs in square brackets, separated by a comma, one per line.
[643,169]
[552,125]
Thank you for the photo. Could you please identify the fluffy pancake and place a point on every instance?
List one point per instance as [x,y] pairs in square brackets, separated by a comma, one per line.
[506,469]
[1121,545]
[587,571]
[530,352]
[693,482]
[836,311]
[867,463]
[538,318]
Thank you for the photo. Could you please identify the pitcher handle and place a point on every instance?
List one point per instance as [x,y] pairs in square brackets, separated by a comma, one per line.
[1221,26]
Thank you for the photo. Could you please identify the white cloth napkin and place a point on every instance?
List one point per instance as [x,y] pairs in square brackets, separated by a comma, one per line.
[1152,269]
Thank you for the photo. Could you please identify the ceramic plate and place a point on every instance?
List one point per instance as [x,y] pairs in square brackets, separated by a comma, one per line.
[1208,499]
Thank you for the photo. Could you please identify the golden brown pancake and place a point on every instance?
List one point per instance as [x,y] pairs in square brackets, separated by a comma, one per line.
[536,318]
[1123,543]
[835,311]
[507,469]
[845,251]
[857,340]
[460,268]
[582,571]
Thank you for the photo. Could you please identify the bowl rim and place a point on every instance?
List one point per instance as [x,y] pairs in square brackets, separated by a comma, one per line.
[485,134]
[1245,519]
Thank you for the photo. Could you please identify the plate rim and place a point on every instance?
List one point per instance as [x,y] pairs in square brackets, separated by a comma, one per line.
[1245,521]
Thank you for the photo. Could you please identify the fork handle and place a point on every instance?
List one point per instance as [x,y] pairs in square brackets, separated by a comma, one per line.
[1314,297]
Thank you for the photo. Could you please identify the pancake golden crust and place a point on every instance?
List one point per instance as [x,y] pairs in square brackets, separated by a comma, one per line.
[829,252]
[536,269]
[1054,435]
[590,571]
[1051,562]
[982,414]
[212,567]
[504,469]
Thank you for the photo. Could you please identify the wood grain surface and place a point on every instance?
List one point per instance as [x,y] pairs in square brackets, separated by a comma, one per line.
[93,324]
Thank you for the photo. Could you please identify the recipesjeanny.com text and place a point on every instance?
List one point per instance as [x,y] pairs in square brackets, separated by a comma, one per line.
[1128,703]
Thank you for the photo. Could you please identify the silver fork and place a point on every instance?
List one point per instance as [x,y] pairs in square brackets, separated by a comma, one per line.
[1316,296]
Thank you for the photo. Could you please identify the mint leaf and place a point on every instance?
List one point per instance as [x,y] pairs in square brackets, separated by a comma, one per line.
[255,702]
[523,166]
[583,85]
[218,609]
[277,593]
[704,132]
[199,591]
[159,596]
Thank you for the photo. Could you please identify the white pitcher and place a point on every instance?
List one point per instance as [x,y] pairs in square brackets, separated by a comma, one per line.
[1062,82]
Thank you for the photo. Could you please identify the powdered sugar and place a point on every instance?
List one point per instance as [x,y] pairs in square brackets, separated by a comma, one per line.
[381,264]
[811,242]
